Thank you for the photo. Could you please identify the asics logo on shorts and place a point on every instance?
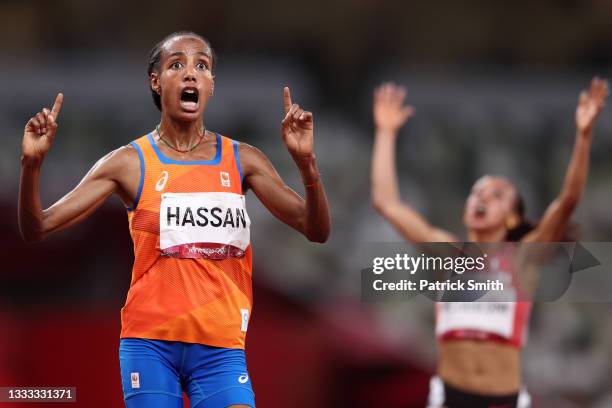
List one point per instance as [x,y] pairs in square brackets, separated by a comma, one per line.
[243,378]
[161,183]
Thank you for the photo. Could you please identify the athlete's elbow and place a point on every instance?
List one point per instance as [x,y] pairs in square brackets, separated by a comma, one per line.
[32,233]
[318,237]
[318,233]
[384,207]
[381,202]
[31,236]
[378,205]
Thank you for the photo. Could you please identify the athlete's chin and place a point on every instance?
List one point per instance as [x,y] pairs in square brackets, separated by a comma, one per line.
[187,116]
[479,225]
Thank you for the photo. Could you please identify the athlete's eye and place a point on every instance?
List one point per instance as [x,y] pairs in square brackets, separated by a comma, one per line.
[202,66]
[176,65]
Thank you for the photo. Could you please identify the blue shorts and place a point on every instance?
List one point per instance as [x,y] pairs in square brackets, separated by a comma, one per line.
[154,374]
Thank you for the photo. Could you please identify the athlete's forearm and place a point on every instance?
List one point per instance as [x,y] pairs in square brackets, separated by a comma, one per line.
[31,216]
[384,174]
[317,219]
[554,222]
[577,171]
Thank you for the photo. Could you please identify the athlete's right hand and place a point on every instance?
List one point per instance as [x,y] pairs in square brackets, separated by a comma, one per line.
[590,104]
[390,113]
[40,131]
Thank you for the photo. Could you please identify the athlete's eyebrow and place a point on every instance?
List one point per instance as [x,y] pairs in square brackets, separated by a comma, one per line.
[181,53]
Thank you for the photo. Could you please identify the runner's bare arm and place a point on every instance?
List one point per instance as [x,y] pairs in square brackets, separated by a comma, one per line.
[554,222]
[101,181]
[311,216]
[390,114]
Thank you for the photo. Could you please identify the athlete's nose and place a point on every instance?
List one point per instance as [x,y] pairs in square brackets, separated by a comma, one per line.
[483,195]
[189,74]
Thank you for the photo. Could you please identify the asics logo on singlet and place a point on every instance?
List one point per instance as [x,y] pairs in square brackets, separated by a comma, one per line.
[243,378]
[161,183]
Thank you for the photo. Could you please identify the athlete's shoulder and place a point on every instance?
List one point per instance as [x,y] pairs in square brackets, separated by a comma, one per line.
[124,155]
[250,153]
[118,162]
[252,160]
[245,150]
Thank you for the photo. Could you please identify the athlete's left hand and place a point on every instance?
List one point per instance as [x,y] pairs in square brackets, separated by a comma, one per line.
[297,129]
[590,104]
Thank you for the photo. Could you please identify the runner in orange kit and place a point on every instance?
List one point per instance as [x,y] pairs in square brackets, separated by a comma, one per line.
[185,319]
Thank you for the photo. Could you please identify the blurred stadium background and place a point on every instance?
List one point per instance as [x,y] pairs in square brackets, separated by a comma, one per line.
[495,87]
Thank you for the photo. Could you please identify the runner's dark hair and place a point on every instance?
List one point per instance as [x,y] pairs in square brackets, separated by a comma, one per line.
[155,58]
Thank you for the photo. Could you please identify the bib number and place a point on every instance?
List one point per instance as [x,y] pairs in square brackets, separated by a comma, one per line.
[212,225]
[488,317]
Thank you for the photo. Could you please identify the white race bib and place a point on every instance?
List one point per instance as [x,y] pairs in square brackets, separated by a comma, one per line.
[212,225]
[488,317]
[494,313]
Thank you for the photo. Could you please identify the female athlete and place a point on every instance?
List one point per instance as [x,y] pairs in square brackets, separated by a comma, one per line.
[479,346]
[187,310]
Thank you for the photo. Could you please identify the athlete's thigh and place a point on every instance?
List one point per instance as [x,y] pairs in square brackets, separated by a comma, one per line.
[220,390]
[153,401]
[148,378]
[218,378]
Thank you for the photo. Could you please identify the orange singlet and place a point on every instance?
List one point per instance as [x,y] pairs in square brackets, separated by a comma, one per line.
[191,279]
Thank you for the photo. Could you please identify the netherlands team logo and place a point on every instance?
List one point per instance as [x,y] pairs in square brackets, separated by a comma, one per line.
[225,178]
[135,377]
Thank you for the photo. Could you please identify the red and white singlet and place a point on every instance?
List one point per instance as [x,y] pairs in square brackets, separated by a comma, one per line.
[496,317]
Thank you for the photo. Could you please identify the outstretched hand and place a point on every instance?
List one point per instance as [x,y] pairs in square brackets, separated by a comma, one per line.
[590,104]
[40,131]
[297,128]
[390,113]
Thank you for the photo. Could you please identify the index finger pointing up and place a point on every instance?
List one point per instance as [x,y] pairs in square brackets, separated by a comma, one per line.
[57,106]
[287,99]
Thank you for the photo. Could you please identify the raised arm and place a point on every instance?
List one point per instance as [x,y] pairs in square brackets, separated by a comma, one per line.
[554,222]
[390,114]
[311,216]
[100,182]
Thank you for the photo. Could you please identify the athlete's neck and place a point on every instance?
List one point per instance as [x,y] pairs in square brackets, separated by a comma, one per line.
[491,235]
[182,135]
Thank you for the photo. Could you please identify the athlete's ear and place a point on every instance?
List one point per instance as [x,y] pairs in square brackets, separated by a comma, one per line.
[512,221]
[155,86]
[212,88]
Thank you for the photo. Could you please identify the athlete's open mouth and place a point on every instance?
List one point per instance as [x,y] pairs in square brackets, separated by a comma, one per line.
[189,99]
[481,210]
[189,95]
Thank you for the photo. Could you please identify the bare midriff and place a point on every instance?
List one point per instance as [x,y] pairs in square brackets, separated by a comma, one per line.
[482,367]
